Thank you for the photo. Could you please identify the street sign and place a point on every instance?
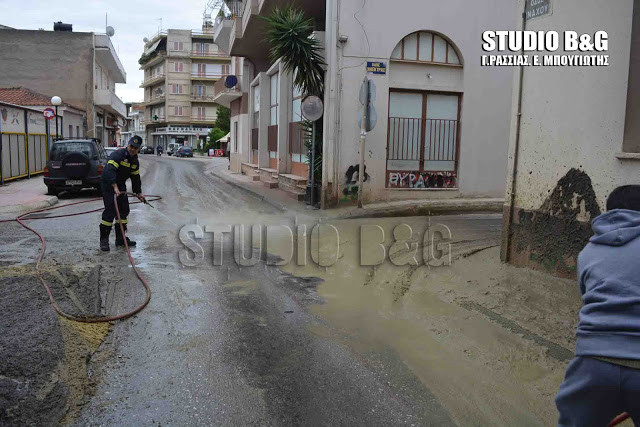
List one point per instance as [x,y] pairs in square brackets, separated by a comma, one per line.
[48,113]
[535,8]
[372,116]
[376,67]
[363,92]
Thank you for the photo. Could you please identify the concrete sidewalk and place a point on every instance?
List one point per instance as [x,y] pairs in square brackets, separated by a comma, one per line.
[421,207]
[23,195]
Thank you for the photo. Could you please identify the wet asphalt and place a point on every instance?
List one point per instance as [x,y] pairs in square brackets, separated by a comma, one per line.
[218,344]
[225,345]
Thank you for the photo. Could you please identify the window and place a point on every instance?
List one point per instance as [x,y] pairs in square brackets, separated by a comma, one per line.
[178,46]
[296,101]
[199,90]
[178,110]
[274,110]
[423,139]
[177,89]
[256,106]
[78,131]
[424,46]
[202,113]
[178,67]
[71,131]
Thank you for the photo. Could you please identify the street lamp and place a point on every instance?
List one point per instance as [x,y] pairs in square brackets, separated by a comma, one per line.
[56,100]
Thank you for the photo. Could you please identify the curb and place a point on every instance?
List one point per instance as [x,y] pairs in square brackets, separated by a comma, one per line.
[252,192]
[49,201]
[428,208]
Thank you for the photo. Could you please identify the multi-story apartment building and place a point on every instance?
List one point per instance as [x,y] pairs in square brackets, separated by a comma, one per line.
[81,68]
[182,69]
[443,119]
[134,125]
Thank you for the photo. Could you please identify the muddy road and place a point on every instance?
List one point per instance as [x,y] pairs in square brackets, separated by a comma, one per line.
[224,344]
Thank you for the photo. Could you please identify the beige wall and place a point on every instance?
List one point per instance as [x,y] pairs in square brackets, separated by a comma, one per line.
[486,99]
[570,140]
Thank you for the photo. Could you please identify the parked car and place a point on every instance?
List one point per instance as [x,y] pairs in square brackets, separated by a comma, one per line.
[146,150]
[74,164]
[110,150]
[184,152]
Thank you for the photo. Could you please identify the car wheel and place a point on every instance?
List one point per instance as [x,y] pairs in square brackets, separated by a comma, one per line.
[52,191]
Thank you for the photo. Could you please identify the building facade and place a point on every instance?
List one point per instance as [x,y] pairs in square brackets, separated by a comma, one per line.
[134,124]
[578,137]
[442,119]
[182,70]
[81,68]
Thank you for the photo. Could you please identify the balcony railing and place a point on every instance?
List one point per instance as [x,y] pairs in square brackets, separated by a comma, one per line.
[236,7]
[219,86]
[207,75]
[202,54]
[197,118]
[154,78]
[160,119]
[202,97]
[155,98]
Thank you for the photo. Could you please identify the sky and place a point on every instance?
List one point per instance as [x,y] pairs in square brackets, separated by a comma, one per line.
[132,20]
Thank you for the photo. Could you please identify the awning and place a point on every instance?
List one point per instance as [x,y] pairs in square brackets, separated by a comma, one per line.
[152,47]
[225,138]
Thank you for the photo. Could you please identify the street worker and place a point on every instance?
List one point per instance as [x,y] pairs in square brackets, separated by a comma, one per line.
[603,379]
[122,165]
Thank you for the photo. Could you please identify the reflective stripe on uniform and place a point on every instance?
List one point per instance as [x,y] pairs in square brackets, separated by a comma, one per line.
[134,167]
[108,224]
[114,163]
[135,172]
[122,221]
[123,163]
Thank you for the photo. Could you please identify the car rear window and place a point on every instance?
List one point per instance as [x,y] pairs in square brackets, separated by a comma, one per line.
[61,149]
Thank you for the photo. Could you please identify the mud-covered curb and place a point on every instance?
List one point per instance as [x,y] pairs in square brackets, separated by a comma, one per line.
[251,191]
[41,204]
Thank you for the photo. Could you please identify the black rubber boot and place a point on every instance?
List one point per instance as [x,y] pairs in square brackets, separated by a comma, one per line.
[120,240]
[104,237]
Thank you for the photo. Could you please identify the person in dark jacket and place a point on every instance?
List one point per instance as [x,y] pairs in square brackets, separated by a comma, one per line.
[122,165]
[603,380]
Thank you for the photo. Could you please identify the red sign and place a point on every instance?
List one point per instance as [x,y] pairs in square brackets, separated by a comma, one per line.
[218,153]
[48,113]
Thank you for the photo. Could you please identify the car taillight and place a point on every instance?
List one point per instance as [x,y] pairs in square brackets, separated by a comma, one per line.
[46,171]
[100,167]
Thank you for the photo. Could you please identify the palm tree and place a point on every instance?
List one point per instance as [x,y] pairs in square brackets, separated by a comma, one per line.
[289,35]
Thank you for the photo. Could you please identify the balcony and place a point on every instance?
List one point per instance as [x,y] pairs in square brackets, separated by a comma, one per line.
[202,97]
[107,57]
[249,31]
[154,120]
[152,59]
[203,119]
[153,79]
[224,95]
[155,99]
[108,100]
[197,54]
[205,76]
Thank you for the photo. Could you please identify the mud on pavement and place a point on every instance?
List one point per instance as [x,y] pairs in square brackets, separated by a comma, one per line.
[43,377]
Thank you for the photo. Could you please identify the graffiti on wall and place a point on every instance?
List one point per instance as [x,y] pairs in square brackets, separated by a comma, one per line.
[422,180]
[351,178]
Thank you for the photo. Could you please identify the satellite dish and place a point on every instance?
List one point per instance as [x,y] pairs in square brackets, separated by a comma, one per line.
[146,40]
[110,31]
[230,81]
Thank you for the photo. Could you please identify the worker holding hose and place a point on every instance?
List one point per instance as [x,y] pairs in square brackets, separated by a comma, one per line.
[603,380]
[122,165]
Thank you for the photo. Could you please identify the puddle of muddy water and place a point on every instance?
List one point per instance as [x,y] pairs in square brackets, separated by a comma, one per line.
[482,372]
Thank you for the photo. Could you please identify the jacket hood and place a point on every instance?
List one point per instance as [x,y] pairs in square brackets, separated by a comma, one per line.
[616,227]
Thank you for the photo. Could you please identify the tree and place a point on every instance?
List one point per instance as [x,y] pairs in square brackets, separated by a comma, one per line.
[215,134]
[223,119]
[290,37]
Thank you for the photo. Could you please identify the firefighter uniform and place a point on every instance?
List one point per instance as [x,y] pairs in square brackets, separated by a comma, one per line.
[120,167]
